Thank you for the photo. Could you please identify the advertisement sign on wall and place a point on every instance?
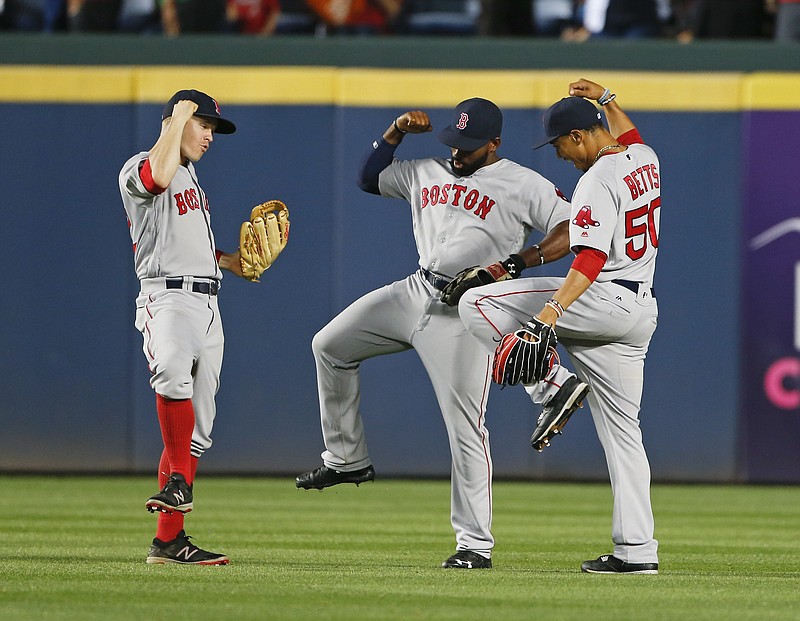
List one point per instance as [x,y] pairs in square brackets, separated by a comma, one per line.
[770,409]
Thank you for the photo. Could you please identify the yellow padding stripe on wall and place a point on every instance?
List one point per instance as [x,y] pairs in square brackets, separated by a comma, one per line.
[394,88]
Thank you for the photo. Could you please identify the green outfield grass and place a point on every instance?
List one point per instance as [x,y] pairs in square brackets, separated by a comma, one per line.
[74,548]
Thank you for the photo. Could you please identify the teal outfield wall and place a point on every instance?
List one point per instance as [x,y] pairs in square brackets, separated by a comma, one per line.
[75,392]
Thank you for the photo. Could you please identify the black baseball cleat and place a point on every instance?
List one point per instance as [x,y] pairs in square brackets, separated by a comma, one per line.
[180,550]
[608,564]
[176,496]
[467,559]
[324,477]
[557,411]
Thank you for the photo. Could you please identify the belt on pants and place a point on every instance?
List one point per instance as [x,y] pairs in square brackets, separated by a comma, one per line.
[207,287]
[633,286]
[438,282]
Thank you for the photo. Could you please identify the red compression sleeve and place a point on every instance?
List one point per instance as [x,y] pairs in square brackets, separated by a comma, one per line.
[632,136]
[146,175]
[589,262]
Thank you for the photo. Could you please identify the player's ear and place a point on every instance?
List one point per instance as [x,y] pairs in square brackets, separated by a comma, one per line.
[576,136]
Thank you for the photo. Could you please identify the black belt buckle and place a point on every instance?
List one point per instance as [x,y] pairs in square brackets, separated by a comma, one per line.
[437,282]
[206,288]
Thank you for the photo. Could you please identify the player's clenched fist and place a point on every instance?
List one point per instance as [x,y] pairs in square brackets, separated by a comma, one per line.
[414,122]
[587,89]
[184,109]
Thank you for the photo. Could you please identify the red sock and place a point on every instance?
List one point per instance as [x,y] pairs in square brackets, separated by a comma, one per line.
[176,418]
[169,524]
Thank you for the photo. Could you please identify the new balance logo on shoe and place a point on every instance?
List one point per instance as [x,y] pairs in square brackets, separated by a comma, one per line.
[187,552]
[175,496]
[181,551]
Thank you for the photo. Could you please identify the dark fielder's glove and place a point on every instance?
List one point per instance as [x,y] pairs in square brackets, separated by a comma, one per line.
[525,355]
[262,238]
[476,276]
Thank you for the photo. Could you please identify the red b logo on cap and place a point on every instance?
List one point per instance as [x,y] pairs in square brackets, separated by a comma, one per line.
[462,121]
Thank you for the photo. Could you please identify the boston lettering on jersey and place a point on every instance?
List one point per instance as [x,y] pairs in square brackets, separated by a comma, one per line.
[457,195]
[642,180]
[187,200]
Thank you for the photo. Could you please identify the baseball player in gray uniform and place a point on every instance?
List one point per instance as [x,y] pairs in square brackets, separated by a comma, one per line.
[179,269]
[474,208]
[604,311]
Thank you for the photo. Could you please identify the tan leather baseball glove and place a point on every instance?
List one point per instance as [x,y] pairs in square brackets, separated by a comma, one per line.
[263,238]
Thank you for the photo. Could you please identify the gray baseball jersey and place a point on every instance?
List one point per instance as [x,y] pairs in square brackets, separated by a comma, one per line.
[171,231]
[476,220]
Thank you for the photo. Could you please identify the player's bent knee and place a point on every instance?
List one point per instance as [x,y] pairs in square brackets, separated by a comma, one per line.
[324,343]
[467,307]
[173,381]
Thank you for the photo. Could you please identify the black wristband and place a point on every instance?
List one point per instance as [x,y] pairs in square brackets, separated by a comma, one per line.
[514,265]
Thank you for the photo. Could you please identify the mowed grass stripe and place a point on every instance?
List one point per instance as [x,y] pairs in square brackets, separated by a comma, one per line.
[74,548]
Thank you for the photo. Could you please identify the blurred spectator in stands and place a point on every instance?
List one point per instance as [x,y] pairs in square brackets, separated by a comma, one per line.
[139,16]
[253,17]
[365,17]
[92,15]
[620,19]
[787,19]
[726,19]
[552,17]
[192,16]
[506,18]
[439,17]
[33,15]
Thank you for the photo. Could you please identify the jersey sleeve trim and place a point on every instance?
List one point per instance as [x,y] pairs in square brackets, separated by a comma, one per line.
[589,262]
[146,175]
[632,136]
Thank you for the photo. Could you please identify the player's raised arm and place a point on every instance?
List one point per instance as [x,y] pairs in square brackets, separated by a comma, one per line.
[381,152]
[618,122]
[165,156]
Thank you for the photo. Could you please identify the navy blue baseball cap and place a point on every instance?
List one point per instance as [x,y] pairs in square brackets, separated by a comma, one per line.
[475,122]
[207,108]
[568,114]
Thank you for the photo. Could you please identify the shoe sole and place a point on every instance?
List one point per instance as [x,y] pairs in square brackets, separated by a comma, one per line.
[598,571]
[154,506]
[157,560]
[322,487]
[576,399]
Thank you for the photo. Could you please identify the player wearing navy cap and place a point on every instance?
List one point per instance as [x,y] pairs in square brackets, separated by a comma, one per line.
[473,208]
[179,269]
[604,311]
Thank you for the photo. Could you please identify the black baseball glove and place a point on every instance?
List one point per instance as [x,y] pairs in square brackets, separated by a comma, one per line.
[476,276]
[525,355]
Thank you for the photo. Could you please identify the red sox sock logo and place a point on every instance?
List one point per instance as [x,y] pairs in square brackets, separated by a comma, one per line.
[462,121]
[584,218]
